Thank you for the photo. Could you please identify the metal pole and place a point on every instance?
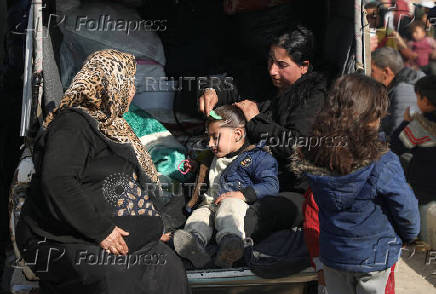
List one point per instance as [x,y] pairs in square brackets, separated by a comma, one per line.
[358,34]
[27,80]
[39,34]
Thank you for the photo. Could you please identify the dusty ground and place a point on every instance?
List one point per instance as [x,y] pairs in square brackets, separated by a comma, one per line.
[414,276]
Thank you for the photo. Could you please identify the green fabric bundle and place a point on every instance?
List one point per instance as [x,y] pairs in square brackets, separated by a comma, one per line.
[166,152]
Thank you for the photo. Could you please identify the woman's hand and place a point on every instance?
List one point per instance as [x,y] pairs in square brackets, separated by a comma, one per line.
[249,108]
[114,243]
[235,194]
[165,237]
[207,101]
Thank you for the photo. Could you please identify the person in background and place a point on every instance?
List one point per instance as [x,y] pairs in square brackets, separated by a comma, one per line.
[393,13]
[417,135]
[373,15]
[387,10]
[239,174]
[423,47]
[431,21]
[374,22]
[401,13]
[387,67]
[380,34]
[397,16]
[423,10]
[367,211]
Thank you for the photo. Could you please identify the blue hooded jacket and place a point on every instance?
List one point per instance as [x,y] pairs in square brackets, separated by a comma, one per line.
[365,216]
[253,172]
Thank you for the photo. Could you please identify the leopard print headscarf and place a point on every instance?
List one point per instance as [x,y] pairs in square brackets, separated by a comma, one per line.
[101,89]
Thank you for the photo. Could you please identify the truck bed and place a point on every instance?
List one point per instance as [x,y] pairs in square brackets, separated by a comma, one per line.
[235,280]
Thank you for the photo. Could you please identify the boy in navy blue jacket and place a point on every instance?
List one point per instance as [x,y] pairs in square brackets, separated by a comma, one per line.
[239,174]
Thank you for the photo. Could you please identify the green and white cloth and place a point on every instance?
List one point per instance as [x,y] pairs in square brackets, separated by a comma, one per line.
[166,152]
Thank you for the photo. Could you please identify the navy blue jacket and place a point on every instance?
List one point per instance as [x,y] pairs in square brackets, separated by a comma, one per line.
[253,172]
[365,216]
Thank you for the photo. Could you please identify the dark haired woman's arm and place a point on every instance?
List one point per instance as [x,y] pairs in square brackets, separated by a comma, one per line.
[281,138]
[65,157]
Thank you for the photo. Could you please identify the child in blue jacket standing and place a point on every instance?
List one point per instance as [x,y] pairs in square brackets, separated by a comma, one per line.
[238,175]
[367,211]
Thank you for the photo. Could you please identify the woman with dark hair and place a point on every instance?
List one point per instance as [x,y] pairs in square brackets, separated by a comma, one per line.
[283,121]
[367,210]
[92,220]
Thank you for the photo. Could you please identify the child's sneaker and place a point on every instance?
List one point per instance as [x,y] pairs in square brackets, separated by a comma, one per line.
[231,249]
[191,247]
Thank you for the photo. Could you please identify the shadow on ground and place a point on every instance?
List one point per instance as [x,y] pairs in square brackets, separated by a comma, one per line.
[419,263]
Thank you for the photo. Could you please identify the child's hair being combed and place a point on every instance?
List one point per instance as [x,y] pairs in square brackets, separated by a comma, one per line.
[426,86]
[232,117]
[353,104]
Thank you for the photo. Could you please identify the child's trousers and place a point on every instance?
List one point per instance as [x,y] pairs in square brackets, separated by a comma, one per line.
[227,218]
[344,282]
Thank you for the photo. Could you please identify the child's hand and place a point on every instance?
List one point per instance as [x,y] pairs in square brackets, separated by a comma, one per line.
[401,43]
[165,237]
[407,116]
[235,194]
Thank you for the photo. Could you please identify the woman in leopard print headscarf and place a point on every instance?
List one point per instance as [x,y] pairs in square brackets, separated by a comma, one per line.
[90,196]
[103,89]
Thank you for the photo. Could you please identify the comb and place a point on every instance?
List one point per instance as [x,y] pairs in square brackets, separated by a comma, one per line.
[214,115]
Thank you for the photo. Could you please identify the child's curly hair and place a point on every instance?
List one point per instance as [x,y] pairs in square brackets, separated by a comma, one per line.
[354,102]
